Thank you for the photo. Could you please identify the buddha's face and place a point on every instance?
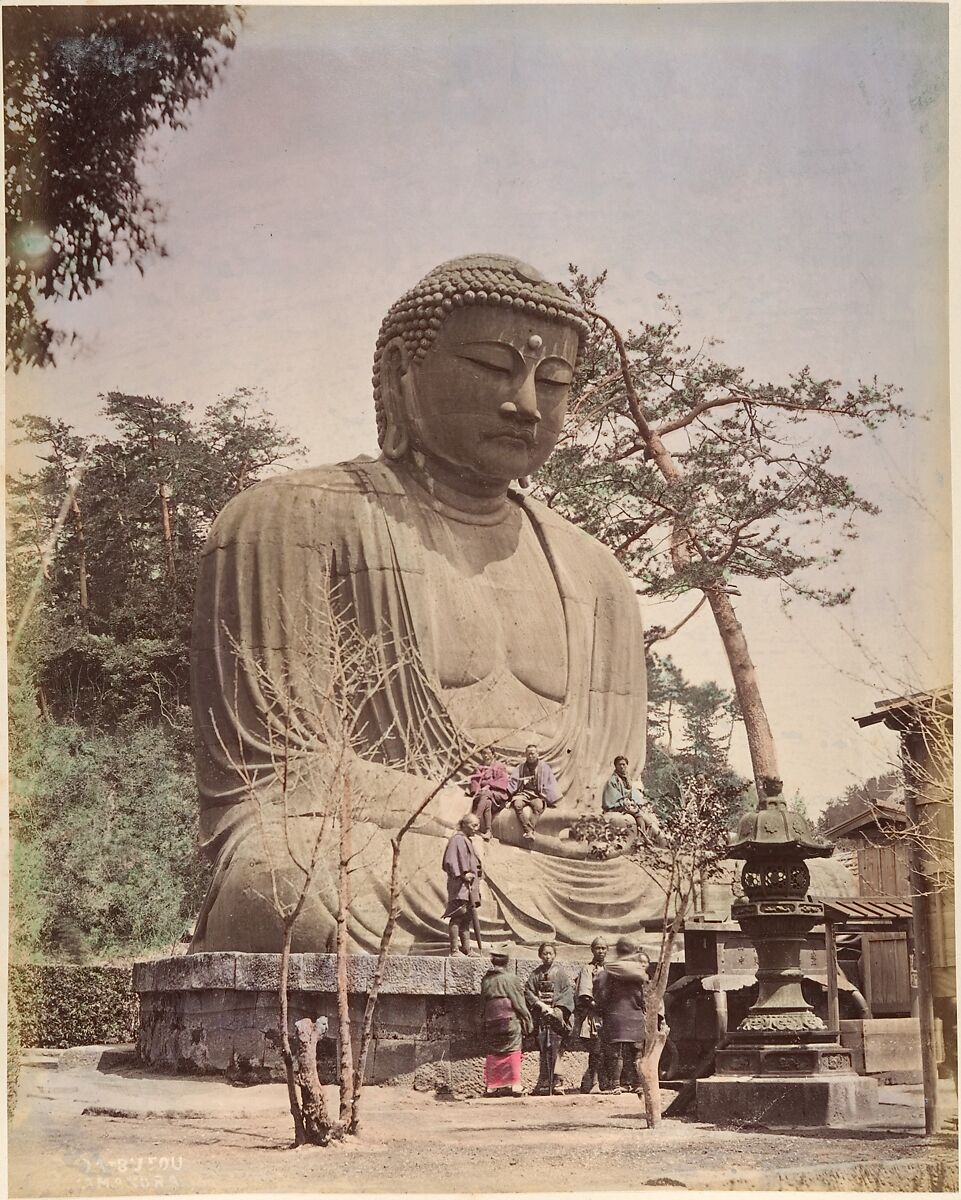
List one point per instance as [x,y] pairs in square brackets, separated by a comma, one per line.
[490,396]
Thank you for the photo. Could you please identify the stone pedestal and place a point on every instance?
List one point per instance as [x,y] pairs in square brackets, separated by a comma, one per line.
[819,1101]
[218,1013]
[804,1078]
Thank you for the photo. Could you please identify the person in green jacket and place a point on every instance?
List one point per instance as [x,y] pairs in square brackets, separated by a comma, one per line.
[506,1021]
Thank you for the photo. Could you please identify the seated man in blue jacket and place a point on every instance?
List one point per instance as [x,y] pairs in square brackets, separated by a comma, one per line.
[620,795]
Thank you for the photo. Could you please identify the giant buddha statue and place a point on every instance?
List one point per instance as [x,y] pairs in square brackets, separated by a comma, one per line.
[526,630]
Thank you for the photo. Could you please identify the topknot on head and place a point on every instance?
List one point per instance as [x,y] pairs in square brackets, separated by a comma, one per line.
[485,279]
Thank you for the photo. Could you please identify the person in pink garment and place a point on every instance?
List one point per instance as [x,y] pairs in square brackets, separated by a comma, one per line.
[490,787]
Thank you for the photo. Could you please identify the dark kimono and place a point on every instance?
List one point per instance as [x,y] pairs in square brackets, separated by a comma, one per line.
[505,1019]
[460,859]
[505,1014]
[552,986]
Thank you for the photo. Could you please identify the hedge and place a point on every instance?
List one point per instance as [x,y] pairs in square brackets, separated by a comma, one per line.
[13,1053]
[60,1005]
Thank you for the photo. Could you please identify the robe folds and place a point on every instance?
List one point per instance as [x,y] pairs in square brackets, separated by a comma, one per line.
[555,980]
[493,777]
[365,535]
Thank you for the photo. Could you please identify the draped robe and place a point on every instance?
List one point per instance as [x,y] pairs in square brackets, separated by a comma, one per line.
[362,530]
[460,858]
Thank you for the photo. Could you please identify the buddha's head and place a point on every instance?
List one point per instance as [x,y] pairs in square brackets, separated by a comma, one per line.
[473,368]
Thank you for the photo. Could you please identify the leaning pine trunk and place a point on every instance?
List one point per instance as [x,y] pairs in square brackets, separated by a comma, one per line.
[82,544]
[760,740]
[759,736]
[164,497]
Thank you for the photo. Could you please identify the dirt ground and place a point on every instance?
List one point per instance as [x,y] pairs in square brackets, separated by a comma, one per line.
[84,1130]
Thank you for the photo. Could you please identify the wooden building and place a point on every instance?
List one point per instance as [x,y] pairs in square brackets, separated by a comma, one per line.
[879,959]
[925,724]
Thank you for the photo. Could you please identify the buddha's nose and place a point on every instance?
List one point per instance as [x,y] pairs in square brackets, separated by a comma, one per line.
[524,405]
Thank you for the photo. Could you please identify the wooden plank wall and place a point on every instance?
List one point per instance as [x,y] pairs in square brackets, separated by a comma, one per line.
[887,984]
[883,869]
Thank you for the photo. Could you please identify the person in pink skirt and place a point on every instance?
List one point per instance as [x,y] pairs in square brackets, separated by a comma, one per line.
[506,1021]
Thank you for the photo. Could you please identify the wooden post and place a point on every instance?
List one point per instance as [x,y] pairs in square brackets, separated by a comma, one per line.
[912,970]
[866,970]
[830,945]
[720,1014]
[919,909]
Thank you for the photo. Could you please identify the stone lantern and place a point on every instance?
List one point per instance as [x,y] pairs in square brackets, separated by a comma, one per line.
[782,1065]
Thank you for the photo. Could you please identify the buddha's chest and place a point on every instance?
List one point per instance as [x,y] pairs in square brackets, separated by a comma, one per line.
[489,609]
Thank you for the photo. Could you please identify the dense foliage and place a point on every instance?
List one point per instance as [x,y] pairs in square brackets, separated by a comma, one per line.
[690,726]
[857,798]
[117,815]
[84,88]
[105,538]
[112,631]
[13,1052]
[60,1006]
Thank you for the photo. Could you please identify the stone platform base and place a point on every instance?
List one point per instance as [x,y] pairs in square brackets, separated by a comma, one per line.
[748,1100]
[219,1014]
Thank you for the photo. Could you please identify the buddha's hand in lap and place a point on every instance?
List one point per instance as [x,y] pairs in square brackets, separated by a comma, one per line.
[550,834]
[388,797]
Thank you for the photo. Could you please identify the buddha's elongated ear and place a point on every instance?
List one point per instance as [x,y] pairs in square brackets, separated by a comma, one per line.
[395,395]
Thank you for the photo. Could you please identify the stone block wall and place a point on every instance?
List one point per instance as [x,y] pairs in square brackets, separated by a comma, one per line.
[219,1014]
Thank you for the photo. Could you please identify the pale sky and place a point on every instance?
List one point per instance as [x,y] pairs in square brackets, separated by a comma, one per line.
[779,170]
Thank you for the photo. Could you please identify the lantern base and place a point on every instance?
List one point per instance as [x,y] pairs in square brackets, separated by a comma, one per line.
[820,1100]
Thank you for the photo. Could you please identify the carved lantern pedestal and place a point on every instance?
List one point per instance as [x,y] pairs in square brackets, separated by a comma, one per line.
[782,1065]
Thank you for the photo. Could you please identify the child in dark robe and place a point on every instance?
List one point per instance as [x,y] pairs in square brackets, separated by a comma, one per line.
[550,998]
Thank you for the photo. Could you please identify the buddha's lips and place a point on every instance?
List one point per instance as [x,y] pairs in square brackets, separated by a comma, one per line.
[515,435]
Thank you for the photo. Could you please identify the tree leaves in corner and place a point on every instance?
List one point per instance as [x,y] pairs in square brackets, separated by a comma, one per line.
[84,89]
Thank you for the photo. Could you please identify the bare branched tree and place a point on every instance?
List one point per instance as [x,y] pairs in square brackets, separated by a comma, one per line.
[680,857]
[692,844]
[328,738]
